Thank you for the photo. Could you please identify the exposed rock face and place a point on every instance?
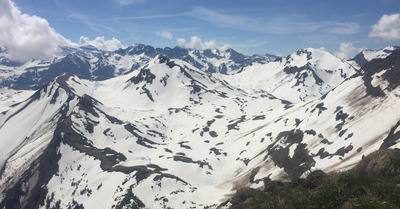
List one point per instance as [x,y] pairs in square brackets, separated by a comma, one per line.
[168,134]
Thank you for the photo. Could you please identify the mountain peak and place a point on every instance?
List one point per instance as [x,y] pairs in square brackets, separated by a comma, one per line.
[162,58]
[62,81]
[367,55]
[166,133]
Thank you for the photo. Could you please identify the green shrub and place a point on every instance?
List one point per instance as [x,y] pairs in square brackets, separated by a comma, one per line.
[315,179]
[244,194]
[373,183]
[274,186]
[382,163]
[331,195]
[366,202]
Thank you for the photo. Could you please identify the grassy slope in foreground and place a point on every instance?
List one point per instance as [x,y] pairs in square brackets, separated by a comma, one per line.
[373,183]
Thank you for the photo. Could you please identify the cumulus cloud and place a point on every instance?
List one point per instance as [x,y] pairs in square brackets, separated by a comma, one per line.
[347,51]
[100,43]
[196,43]
[165,34]
[388,28]
[25,36]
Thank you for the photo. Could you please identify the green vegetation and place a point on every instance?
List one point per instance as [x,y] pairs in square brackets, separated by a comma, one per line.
[374,183]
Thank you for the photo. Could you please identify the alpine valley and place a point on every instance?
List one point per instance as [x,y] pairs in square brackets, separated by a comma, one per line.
[146,127]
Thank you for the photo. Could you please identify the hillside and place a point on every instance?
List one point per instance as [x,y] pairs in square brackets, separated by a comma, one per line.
[373,183]
[168,133]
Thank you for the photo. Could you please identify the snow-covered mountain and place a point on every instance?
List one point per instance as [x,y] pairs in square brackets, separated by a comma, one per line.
[91,63]
[171,134]
[367,55]
[136,125]
[302,76]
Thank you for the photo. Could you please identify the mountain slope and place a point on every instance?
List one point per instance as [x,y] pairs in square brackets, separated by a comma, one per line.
[302,76]
[335,131]
[171,135]
[91,63]
[367,55]
[138,136]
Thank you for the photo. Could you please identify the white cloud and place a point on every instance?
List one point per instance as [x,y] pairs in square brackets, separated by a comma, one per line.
[281,24]
[165,34]
[128,2]
[94,26]
[278,54]
[347,51]
[100,43]
[196,43]
[232,21]
[388,28]
[345,28]
[25,36]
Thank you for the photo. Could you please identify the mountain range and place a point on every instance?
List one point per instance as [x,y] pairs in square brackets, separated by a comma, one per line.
[146,127]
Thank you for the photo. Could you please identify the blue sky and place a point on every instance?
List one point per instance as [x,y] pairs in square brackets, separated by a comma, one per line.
[253,26]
